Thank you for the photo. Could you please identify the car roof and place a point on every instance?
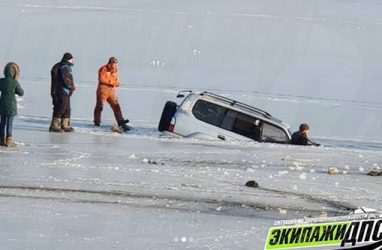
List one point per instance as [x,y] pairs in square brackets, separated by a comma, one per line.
[239,106]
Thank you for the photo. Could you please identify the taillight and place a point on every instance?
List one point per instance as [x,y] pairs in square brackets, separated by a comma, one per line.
[171,127]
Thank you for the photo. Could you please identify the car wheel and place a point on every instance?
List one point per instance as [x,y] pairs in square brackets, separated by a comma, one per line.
[167,114]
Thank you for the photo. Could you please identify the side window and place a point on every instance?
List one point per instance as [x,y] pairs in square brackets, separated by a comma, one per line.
[272,133]
[247,126]
[229,120]
[209,112]
[242,124]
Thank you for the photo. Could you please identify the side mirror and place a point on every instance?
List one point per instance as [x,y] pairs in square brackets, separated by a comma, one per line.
[181,95]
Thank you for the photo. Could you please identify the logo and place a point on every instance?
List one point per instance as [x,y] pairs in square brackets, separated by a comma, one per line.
[337,235]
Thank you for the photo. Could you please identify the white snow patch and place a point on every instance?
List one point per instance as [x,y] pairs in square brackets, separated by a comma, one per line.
[132,156]
[302,176]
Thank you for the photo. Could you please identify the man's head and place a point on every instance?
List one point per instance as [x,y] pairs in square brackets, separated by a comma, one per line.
[113,60]
[113,63]
[304,128]
[68,57]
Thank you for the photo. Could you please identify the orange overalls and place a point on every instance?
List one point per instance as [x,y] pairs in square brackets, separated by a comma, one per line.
[108,81]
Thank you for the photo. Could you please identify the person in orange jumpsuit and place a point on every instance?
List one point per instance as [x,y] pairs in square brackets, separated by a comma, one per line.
[108,81]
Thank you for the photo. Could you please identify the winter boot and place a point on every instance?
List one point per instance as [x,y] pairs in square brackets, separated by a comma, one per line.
[123,126]
[55,126]
[66,125]
[9,142]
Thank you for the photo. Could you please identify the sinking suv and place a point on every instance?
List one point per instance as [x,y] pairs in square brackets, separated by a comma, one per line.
[210,116]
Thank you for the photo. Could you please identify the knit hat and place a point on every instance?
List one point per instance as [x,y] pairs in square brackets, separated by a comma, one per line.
[112,60]
[67,56]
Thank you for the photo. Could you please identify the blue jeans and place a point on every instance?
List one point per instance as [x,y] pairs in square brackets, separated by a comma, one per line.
[6,122]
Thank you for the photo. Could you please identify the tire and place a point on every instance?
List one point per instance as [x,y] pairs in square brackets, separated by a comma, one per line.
[167,114]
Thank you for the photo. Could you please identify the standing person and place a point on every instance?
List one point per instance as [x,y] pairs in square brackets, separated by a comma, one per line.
[55,125]
[108,81]
[62,87]
[9,87]
[301,137]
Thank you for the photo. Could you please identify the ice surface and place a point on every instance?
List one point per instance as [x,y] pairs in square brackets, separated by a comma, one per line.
[303,61]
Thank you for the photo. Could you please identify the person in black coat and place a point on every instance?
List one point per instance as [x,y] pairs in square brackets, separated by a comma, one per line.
[301,137]
[62,87]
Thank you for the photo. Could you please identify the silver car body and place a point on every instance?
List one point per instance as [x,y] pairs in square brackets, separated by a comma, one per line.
[186,123]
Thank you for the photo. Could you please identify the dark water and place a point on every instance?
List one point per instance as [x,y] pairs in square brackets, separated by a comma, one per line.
[350,144]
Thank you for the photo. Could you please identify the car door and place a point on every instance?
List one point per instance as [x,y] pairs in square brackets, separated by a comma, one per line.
[209,121]
[243,125]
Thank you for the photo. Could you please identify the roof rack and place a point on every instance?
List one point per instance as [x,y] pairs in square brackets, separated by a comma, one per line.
[236,103]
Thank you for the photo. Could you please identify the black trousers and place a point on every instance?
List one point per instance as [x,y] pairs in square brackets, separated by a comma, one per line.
[61,105]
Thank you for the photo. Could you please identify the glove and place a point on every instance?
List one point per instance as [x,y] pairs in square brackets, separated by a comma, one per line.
[74,88]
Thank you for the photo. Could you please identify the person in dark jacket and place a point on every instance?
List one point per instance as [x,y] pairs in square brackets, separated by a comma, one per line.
[55,125]
[301,137]
[9,87]
[62,87]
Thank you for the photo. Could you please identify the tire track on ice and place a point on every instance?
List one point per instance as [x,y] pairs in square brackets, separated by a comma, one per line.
[165,201]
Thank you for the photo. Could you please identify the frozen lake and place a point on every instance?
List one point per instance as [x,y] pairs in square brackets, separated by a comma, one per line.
[303,61]
[98,189]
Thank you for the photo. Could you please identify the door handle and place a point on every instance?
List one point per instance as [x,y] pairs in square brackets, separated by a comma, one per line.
[221,137]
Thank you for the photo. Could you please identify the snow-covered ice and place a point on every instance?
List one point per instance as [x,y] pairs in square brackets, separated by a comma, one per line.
[303,61]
